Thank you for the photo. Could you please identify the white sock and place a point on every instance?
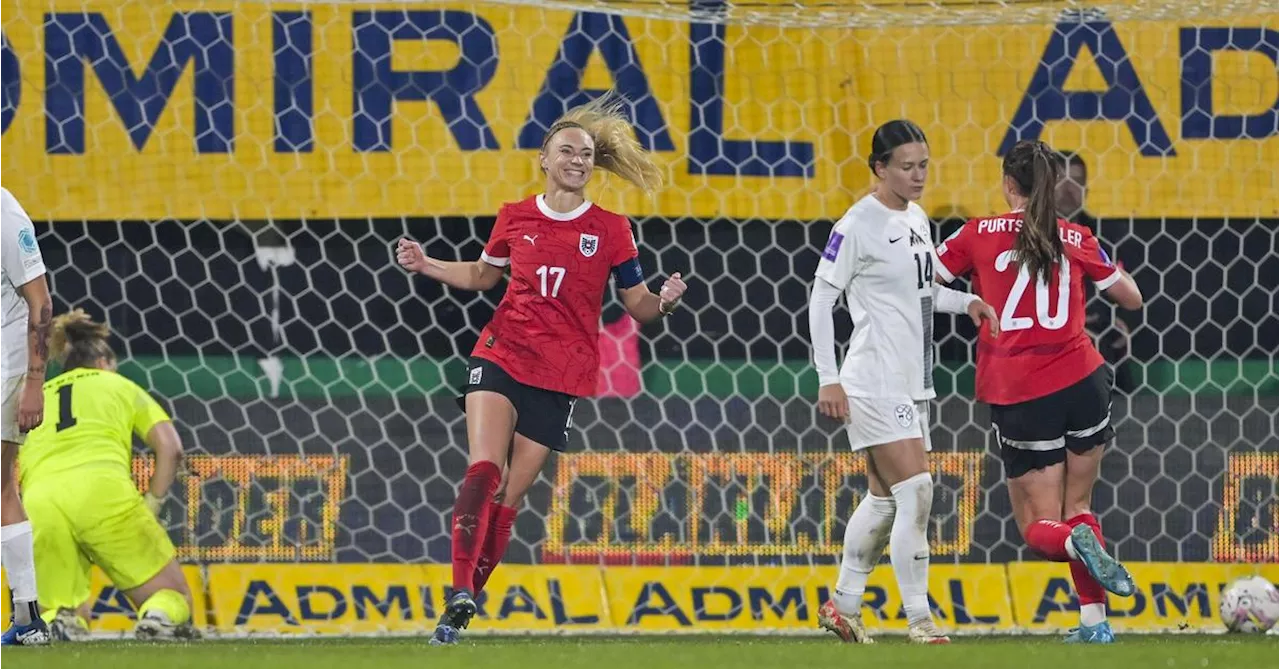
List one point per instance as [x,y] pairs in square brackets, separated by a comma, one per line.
[864,540]
[1092,614]
[1071,549]
[20,566]
[909,544]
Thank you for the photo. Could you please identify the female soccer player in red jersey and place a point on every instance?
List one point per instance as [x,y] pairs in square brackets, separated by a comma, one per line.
[539,353]
[1048,387]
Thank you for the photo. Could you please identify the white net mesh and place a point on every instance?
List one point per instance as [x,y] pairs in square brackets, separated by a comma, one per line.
[222,181]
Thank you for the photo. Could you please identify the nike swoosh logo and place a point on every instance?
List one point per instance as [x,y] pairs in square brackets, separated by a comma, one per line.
[895,241]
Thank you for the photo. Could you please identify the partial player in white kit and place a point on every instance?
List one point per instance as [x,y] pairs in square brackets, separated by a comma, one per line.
[24,338]
[880,255]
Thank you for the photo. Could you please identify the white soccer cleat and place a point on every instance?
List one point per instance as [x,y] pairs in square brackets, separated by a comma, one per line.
[68,626]
[848,628]
[926,632]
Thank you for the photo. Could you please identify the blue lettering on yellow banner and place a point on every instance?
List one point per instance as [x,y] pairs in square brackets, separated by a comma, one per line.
[519,600]
[562,89]
[665,606]
[962,613]
[307,602]
[10,83]
[376,86]
[1047,99]
[293,86]
[1197,47]
[709,151]
[762,598]
[74,39]
[1165,595]
[271,605]
[111,601]
[396,594]
[560,612]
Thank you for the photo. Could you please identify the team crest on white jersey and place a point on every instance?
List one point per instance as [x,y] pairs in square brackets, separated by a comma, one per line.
[589,244]
[904,414]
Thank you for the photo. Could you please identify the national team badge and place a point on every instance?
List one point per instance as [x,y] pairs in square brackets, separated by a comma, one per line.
[905,414]
[589,244]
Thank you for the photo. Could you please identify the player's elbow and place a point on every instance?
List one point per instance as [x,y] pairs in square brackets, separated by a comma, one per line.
[164,440]
[1126,294]
[36,293]
[486,276]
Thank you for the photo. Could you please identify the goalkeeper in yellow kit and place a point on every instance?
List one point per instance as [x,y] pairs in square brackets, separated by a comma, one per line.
[80,495]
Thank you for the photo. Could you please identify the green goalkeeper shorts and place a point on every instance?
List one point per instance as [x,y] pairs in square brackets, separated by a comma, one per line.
[91,516]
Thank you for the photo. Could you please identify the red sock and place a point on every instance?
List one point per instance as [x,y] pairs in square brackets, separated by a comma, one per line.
[495,543]
[1088,590]
[471,520]
[1049,539]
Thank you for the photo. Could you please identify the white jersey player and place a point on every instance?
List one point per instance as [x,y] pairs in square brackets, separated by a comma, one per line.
[880,256]
[24,343]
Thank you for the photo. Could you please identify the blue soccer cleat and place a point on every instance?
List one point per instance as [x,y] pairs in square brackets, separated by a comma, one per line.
[1100,633]
[457,615]
[34,633]
[1106,570]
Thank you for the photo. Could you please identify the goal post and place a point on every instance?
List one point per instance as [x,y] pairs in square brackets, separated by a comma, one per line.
[223,181]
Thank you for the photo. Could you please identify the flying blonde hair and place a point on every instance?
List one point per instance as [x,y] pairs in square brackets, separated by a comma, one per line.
[617,150]
[76,340]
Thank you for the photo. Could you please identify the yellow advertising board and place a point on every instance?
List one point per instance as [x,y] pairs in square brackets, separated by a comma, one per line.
[224,110]
[365,598]
[112,612]
[1171,595]
[965,597]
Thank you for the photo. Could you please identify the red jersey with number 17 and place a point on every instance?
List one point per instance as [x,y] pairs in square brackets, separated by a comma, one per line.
[546,330]
[1042,347]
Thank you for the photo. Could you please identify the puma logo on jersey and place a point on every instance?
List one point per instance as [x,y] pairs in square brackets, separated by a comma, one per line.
[533,241]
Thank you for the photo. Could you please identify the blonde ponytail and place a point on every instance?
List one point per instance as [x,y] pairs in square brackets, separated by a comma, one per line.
[76,340]
[617,150]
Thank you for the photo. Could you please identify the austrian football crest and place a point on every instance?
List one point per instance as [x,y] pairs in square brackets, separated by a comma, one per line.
[589,244]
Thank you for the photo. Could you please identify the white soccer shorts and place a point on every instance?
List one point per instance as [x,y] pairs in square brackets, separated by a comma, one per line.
[877,420]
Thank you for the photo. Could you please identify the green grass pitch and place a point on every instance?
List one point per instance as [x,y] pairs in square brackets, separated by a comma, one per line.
[1132,652]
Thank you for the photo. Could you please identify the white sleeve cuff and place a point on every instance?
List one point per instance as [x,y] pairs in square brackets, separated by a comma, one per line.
[1109,281]
[822,331]
[943,272]
[950,301]
[496,262]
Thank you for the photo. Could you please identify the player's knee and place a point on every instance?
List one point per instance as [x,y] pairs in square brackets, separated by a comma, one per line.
[915,495]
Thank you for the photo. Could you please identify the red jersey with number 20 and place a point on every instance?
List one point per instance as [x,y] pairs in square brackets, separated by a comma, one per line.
[546,330]
[1042,347]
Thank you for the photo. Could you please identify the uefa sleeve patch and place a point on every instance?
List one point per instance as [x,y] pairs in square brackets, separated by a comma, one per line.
[1106,260]
[833,246]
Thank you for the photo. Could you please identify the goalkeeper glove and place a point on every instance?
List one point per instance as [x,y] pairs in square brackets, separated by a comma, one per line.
[153,503]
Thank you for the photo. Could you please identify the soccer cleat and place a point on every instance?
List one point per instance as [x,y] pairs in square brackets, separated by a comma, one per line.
[926,632]
[848,628]
[68,626]
[1106,570]
[1100,633]
[457,615]
[34,633]
[154,625]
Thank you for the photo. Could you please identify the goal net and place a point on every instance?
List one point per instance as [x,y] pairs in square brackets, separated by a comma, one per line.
[223,182]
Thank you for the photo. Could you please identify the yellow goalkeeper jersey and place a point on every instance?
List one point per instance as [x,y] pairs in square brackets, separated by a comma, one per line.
[90,417]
